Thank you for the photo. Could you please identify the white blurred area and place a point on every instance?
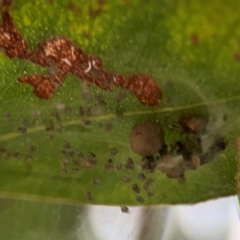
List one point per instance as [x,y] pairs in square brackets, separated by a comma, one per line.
[213,220]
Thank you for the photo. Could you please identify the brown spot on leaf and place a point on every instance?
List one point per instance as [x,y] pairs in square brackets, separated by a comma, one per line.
[135,188]
[63,55]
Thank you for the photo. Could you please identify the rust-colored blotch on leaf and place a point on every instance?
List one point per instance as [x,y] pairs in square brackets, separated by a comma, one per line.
[63,55]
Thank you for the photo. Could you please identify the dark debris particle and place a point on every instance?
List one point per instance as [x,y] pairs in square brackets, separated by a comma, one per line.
[126,179]
[135,188]
[113,151]
[119,166]
[108,127]
[124,209]
[141,176]
[140,199]
[96,181]
[22,130]
[109,165]
[148,164]
[89,196]
[75,170]
[129,164]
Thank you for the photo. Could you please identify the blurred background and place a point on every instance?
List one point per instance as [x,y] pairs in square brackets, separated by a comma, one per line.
[211,220]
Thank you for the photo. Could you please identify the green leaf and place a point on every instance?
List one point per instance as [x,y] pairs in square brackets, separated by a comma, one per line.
[192,51]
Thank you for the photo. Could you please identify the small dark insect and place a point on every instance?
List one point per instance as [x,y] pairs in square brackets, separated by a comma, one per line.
[50,127]
[89,196]
[75,170]
[7,116]
[119,166]
[130,164]
[141,176]
[135,188]
[108,127]
[96,181]
[22,130]
[124,209]
[113,151]
[109,165]
[140,199]
[126,179]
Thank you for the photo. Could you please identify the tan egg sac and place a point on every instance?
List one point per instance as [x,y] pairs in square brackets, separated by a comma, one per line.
[147,139]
